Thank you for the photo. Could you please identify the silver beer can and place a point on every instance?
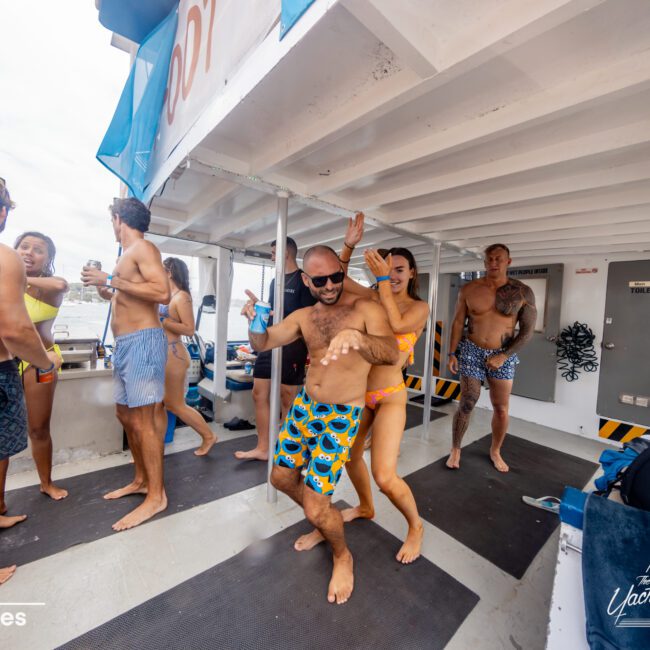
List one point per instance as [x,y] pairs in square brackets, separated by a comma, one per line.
[94,264]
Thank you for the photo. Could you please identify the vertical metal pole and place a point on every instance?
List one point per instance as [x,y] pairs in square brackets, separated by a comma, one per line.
[431,339]
[222,279]
[276,360]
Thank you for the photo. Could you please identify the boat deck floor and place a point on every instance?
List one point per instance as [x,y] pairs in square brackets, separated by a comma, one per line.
[88,584]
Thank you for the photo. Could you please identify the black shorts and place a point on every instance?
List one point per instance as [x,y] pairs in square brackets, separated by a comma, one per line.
[13,414]
[294,358]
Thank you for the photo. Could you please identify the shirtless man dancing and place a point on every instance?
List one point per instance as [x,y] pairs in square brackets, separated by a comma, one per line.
[136,287]
[345,335]
[492,305]
[18,338]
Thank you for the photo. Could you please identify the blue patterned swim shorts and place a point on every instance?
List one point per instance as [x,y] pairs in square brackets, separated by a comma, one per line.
[472,362]
[13,414]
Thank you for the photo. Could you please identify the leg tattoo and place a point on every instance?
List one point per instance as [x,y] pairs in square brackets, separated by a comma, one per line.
[470,390]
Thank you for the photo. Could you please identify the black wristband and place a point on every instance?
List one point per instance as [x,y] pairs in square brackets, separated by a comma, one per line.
[451,354]
[348,246]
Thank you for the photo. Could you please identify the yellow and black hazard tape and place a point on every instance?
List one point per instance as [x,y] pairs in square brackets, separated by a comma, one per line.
[620,431]
[437,349]
[447,388]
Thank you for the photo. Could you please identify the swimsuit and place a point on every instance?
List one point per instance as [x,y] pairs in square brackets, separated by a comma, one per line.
[13,414]
[39,312]
[318,436]
[405,343]
[163,312]
[472,362]
[139,362]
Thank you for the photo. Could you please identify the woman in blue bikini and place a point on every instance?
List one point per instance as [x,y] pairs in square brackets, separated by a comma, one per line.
[177,320]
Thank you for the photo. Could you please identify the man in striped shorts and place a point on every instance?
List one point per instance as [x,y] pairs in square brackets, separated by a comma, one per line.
[136,287]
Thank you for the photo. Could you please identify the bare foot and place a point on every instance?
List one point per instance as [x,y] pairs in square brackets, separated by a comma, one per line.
[146,510]
[308,541]
[410,550]
[54,491]
[6,573]
[206,446]
[499,463]
[342,582]
[453,462]
[252,454]
[8,522]
[131,488]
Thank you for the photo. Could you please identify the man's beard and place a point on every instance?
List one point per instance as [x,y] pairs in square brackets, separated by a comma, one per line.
[330,301]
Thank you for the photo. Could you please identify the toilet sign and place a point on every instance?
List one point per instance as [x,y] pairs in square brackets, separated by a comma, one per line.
[639,286]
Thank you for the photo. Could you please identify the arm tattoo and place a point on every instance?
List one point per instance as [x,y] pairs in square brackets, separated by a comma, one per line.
[470,389]
[379,350]
[526,318]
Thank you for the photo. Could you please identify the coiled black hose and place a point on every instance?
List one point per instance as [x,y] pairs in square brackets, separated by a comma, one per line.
[575,351]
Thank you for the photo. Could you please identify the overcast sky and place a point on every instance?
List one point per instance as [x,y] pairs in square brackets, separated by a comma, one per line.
[61,81]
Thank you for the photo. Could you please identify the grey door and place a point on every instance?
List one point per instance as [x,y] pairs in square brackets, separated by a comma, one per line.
[536,373]
[624,380]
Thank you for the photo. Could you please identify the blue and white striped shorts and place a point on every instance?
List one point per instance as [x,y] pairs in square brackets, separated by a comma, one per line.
[139,362]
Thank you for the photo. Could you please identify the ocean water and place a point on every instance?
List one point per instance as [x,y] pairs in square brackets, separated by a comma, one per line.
[88,319]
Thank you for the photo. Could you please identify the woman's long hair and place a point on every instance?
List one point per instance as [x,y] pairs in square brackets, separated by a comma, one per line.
[414,284]
[179,272]
[48,269]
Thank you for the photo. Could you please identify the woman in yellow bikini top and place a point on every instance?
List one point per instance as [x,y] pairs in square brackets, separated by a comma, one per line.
[386,395]
[43,297]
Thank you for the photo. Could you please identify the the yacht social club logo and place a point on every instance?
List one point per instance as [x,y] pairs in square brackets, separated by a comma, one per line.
[624,604]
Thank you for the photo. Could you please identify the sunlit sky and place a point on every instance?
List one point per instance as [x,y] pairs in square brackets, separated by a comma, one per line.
[61,80]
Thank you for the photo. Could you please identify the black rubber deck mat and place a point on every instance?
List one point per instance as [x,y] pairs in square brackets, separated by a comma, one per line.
[435,401]
[414,416]
[85,516]
[482,508]
[271,597]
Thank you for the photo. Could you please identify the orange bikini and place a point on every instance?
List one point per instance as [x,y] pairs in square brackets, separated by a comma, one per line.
[405,343]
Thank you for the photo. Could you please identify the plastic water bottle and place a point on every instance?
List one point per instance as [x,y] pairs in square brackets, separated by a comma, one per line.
[248,367]
[261,320]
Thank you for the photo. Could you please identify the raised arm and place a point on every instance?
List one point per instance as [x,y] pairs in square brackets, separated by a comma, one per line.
[16,329]
[153,288]
[285,332]
[50,284]
[184,326]
[457,326]
[415,317]
[377,345]
[353,236]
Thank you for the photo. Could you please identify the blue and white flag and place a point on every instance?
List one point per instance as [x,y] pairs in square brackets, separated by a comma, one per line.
[127,147]
[292,10]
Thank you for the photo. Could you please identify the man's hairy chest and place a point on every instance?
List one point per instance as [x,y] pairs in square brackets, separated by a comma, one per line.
[320,326]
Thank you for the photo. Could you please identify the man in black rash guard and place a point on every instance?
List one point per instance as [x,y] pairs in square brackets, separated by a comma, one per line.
[294,356]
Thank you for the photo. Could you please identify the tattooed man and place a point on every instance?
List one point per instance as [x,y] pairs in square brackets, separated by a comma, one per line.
[492,306]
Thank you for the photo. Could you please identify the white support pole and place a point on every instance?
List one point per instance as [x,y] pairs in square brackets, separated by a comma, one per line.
[428,379]
[276,361]
[222,280]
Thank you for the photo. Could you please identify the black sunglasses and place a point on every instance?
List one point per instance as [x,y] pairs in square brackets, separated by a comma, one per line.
[320,281]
